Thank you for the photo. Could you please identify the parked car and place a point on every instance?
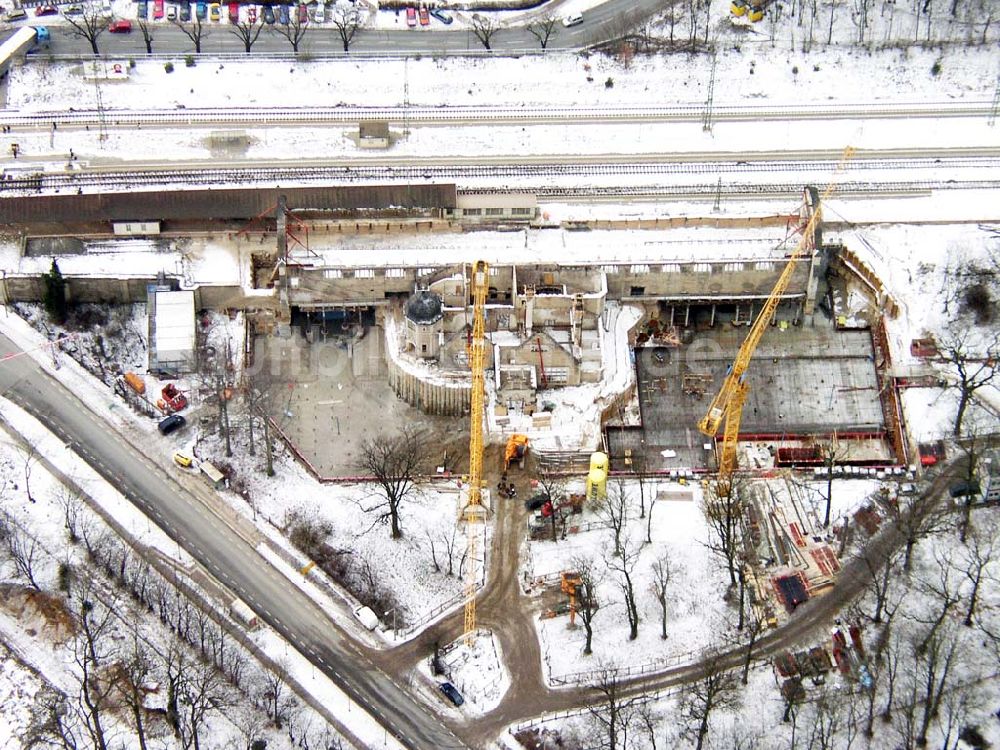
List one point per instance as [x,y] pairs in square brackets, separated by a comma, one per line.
[157,9]
[16,14]
[411,17]
[201,10]
[121,26]
[185,15]
[283,15]
[73,10]
[268,15]
[171,424]
[536,501]
[142,10]
[424,16]
[171,12]
[46,10]
[303,13]
[964,489]
[215,12]
[234,12]
[184,460]
[319,15]
[251,13]
[451,693]
[574,20]
[441,16]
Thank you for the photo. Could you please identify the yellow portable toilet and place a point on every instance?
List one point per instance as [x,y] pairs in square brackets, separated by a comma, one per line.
[599,460]
[738,7]
[597,484]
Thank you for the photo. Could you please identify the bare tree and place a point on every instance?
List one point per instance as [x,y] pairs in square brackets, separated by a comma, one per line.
[485,28]
[72,504]
[247,32]
[932,671]
[831,454]
[147,37]
[93,654]
[543,29]
[204,690]
[136,668]
[347,22]
[974,367]
[970,447]
[586,596]
[663,572]
[29,457]
[24,552]
[724,508]
[624,565]
[396,462]
[715,689]
[612,509]
[196,32]
[90,25]
[276,697]
[614,713]
[916,519]
[51,723]
[259,388]
[213,374]
[295,30]
[554,488]
[860,15]
[753,623]
[977,563]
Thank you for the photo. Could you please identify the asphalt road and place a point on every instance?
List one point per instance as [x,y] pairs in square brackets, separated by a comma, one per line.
[226,554]
[600,23]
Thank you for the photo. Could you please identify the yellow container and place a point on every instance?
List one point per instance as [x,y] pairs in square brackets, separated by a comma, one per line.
[599,460]
[597,484]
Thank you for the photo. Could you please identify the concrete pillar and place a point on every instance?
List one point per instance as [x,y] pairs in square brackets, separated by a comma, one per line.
[687,315]
[712,323]
[282,220]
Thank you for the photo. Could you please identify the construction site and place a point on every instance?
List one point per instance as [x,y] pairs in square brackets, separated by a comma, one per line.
[733,354]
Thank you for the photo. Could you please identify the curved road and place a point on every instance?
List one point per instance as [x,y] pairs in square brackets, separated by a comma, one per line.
[600,23]
[220,550]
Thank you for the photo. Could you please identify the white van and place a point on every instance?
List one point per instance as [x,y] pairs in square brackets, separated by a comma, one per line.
[574,20]
[319,15]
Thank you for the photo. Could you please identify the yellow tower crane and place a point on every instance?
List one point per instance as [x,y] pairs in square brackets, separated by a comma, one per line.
[728,402]
[473,510]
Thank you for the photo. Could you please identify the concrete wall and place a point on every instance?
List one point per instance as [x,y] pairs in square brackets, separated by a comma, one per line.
[704,281]
[450,400]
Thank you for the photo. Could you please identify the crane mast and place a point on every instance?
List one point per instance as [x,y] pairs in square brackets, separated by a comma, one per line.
[473,507]
[728,402]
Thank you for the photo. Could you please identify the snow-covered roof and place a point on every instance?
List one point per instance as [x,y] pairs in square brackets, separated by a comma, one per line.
[174,325]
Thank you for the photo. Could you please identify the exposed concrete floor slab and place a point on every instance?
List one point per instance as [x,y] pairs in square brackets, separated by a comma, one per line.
[333,395]
[803,380]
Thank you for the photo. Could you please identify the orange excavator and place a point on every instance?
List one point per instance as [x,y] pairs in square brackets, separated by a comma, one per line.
[517,450]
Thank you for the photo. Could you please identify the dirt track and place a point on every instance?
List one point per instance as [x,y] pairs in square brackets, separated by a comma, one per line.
[503,609]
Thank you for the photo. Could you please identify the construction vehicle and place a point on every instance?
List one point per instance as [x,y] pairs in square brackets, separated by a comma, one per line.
[517,450]
[473,510]
[135,382]
[728,402]
[173,400]
[749,10]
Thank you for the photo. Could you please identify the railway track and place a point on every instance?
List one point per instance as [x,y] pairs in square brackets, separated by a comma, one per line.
[610,176]
[488,116]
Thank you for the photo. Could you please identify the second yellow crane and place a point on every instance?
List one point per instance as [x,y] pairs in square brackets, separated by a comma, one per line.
[728,402]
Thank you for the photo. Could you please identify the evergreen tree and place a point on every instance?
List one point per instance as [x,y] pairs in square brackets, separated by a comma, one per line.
[55,294]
